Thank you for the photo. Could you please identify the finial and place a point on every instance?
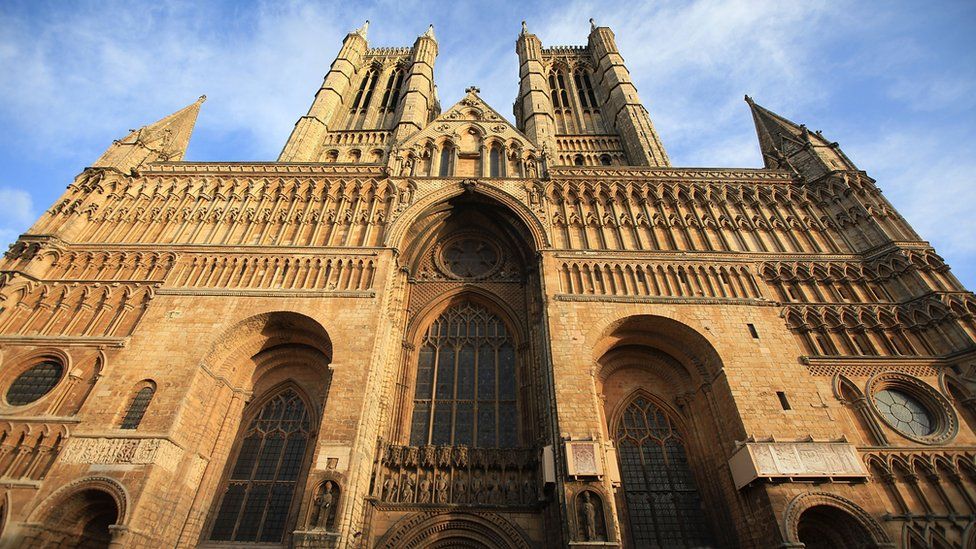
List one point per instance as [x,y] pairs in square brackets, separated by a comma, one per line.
[749,100]
[202,98]
[592,24]
[430,32]
[361,31]
[525,29]
[472,89]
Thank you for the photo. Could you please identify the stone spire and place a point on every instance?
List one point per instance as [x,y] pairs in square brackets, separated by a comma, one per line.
[784,144]
[361,31]
[165,140]
[429,33]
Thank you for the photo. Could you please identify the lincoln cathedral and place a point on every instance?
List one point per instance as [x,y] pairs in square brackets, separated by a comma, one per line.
[448,327]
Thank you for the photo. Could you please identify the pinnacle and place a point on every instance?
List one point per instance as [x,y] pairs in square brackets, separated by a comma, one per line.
[361,31]
[429,33]
[163,140]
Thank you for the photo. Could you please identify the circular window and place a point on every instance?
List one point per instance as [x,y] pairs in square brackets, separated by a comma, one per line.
[904,413]
[469,256]
[34,383]
[913,408]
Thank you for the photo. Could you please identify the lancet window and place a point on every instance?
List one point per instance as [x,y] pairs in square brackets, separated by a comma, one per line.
[137,408]
[357,111]
[466,381]
[663,503]
[256,502]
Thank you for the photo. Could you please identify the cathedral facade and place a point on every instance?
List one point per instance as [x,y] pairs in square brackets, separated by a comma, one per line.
[441,328]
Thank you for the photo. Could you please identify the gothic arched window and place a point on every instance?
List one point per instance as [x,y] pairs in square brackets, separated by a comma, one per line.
[466,381]
[138,406]
[663,504]
[495,161]
[392,92]
[273,446]
[444,169]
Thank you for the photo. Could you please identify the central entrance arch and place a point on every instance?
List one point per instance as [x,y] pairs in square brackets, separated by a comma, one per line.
[454,530]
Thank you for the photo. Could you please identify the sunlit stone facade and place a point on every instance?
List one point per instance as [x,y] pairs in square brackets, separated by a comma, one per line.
[427,328]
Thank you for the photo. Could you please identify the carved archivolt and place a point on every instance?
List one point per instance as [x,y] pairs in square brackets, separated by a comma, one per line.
[44,512]
[799,504]
[424,529]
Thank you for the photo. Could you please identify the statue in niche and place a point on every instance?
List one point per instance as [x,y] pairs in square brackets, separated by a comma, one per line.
[589,511]
[512,490]
[528,491]
[389,488]
[459,488]
[477,486]
[496,490]
[324,506]
[425,487]
[406,492]
[440,484]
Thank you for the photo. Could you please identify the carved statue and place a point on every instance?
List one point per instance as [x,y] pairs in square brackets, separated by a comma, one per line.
[528,491]
[512,490]
[588,518]
[323,502]
[406,491]
[495,496]
[441,486]
[459,489]
[389,488]
[425,487]
[477,487]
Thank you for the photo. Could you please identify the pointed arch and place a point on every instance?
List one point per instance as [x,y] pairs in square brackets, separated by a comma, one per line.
[399,231]
[263,482]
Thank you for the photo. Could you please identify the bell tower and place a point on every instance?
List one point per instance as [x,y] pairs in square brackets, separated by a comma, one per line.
[370,98]
[580,103]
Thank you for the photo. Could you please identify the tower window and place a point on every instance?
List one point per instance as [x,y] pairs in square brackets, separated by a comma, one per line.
[752,331]
[392,93]
[605,160]
[783,401]
[578,160]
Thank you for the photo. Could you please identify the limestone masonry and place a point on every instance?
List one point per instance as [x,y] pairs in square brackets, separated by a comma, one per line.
[439,328]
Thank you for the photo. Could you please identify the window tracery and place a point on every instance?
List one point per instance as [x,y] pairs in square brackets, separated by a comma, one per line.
[256,504]
[465,389]
[663,503]
[34,383]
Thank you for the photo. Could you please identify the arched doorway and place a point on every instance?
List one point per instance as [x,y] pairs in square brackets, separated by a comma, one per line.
[650,372]
[821,519]
[81,520]
[826,527]
[454,530]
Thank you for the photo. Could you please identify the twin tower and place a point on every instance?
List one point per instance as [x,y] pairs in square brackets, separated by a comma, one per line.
[576,105]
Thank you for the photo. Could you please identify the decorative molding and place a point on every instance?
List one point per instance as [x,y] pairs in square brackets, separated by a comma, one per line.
[795,460]
[123,451]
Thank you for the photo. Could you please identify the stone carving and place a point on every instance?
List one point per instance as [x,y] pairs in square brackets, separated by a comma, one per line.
[456,475]
[325,506]
[118,451]
[795,459]
[589,517]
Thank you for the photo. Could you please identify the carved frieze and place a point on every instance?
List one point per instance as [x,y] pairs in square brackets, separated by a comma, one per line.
[123,451]
[787,460]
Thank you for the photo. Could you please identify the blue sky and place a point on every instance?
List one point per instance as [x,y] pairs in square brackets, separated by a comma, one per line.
[893,82]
